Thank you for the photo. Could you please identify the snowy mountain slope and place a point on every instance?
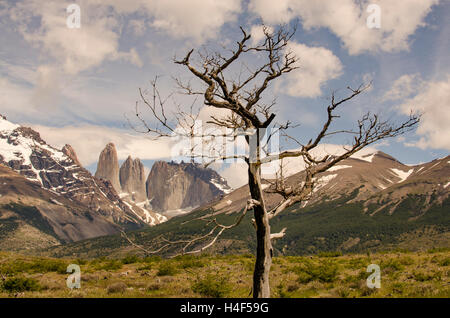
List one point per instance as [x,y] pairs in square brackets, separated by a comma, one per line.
[23,151]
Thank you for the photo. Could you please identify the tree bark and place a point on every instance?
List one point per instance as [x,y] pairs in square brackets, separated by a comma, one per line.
[261,287]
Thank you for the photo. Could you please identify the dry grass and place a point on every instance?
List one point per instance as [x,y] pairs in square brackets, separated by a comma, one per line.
[424,274]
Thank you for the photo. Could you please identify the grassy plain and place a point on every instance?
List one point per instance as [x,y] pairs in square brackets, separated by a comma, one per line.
[403,274]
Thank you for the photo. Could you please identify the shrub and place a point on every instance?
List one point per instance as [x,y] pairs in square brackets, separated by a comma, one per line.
[437,250]
[116,288]
[343,292]
[391,265]
[111,265]
[445,262]
[81,261]
[153,287]
[212,286]
[406,260]
[423,277]
[130,259]
[281,291]
[191,263]
[152,259]
[21,284]
[36,266]
[325,272]
[167,269]
[49,265]
[330,254]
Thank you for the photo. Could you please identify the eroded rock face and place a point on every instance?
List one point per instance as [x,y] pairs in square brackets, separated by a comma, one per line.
[132,179]
[108,166]
[172,186]
[70,152]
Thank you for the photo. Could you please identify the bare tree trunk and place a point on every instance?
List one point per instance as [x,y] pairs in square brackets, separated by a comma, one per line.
[261,287]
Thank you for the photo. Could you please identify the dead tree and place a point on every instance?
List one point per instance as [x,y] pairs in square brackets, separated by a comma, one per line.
[242,97]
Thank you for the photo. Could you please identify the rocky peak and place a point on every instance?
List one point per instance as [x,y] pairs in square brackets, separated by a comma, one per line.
[173,186]
[70,152]
[108,166]
[132,179]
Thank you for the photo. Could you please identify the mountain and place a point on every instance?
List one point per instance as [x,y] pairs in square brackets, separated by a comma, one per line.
[170,188]
[132,179]
[108,166]
[371,202]
[70,152]
[177,186]
[39,181]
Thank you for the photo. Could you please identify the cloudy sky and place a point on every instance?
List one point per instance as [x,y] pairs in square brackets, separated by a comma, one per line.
[77,85]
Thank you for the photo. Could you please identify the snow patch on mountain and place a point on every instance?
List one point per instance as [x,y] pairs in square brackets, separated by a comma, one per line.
[221,186]
[403,175]
[323,181]
[339,167]
[364,157]
[6,126]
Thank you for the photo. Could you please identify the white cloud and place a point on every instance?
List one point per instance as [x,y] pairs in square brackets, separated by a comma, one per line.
[257,33]
[75,49]
[14,98]
[347,20]
[88,141]
[404,87]
[197,19]
[236,174]
[137,26]
[317,66]
[433,101]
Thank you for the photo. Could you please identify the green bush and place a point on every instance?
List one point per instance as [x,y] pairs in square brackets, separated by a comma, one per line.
[131,259]
[423,277]
[190,261]
[391,265]
[110,265]
[438,250]
[330,254]
[152,259]
[37,266]
[49,265]
[324,272]
[21,284]
[212,286]
[445,262]
[167,269]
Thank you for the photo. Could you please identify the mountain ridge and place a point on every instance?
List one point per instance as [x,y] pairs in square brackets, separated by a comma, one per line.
[404,206]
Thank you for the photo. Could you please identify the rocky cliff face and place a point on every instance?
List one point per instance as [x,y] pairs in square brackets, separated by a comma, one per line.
[70,152]
[108,166]
[172,186]
[132,179]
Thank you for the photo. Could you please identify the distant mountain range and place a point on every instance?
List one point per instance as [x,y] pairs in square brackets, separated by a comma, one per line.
[48,198]
[371,202]
[48,201]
